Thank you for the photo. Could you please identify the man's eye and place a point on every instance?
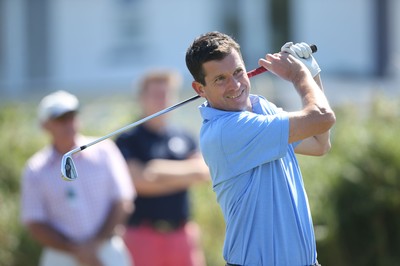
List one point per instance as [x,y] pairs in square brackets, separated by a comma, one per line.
[219,80]
[239,72]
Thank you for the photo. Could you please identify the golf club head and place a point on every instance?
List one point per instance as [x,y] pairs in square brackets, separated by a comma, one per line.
[68,170]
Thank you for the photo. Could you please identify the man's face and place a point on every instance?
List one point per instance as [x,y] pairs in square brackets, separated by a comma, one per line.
[63,128]
[227,85]
[157,96]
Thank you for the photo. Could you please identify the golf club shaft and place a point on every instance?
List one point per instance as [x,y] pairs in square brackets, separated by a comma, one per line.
[141,121]
[68,169]
[261,69]
[250,74]
[256,71]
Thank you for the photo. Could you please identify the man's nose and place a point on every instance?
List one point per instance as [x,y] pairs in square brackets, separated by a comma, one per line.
[234,82]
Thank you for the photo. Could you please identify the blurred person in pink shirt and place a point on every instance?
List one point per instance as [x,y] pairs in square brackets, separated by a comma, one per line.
[76,222]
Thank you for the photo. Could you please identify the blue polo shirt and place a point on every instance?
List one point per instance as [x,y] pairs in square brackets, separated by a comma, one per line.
[258,185]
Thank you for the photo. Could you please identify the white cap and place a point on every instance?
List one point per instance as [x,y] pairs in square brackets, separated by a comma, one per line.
[56,104]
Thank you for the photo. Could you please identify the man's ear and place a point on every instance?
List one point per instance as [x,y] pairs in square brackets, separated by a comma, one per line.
[198,88]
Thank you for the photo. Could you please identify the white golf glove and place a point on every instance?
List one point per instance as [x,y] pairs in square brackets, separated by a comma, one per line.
[303,52]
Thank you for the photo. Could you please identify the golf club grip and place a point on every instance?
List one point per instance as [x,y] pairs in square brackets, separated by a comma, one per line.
[261,69]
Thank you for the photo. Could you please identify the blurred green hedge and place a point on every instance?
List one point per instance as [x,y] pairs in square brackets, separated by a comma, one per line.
[20,137]
[354,191]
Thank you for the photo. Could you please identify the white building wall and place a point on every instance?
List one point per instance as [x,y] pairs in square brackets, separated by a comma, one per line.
[394,41]
[174,25]
[104,43]
[342,30]
[79,38]
[13,41]
[255,31]
[106,46]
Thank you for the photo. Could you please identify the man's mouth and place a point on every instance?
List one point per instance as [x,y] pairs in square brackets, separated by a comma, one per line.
[235,96]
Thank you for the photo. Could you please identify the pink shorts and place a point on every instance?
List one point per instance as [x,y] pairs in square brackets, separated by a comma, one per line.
[180,247]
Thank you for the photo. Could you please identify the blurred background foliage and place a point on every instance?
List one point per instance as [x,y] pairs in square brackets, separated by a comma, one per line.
[354,191]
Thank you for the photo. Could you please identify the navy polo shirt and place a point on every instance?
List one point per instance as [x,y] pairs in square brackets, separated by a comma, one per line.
[144,145]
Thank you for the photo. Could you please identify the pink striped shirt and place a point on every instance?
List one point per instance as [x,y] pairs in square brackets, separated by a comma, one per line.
[78,208]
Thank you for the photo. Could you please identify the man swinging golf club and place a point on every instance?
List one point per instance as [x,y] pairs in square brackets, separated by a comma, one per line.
[249,146]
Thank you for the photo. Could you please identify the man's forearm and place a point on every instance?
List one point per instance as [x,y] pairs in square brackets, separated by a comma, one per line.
[323,138]
[310,91]
[117,215]
[316,116]
[49,237]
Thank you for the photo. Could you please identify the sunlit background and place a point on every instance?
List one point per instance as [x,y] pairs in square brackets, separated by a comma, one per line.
[91,45]
[97,49]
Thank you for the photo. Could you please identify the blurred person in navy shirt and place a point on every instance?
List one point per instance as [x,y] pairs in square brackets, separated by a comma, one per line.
[164,162]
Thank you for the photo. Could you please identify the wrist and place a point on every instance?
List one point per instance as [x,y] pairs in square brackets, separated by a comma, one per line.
[301,76]
[304,83]
[72,248]
[98,240]
[101,238]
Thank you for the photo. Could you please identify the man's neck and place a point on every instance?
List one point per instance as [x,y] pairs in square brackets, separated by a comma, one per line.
[64,146]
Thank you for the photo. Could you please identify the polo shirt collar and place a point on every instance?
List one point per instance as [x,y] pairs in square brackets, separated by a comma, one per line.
[207,112]
[55,156]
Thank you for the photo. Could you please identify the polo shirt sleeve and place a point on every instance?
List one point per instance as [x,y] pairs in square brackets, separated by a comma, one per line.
[124,144]
[247,140]
[120,173]
[32,208]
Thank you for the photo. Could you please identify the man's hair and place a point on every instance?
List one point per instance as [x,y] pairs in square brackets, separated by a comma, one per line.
[207,47]
[170,77]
